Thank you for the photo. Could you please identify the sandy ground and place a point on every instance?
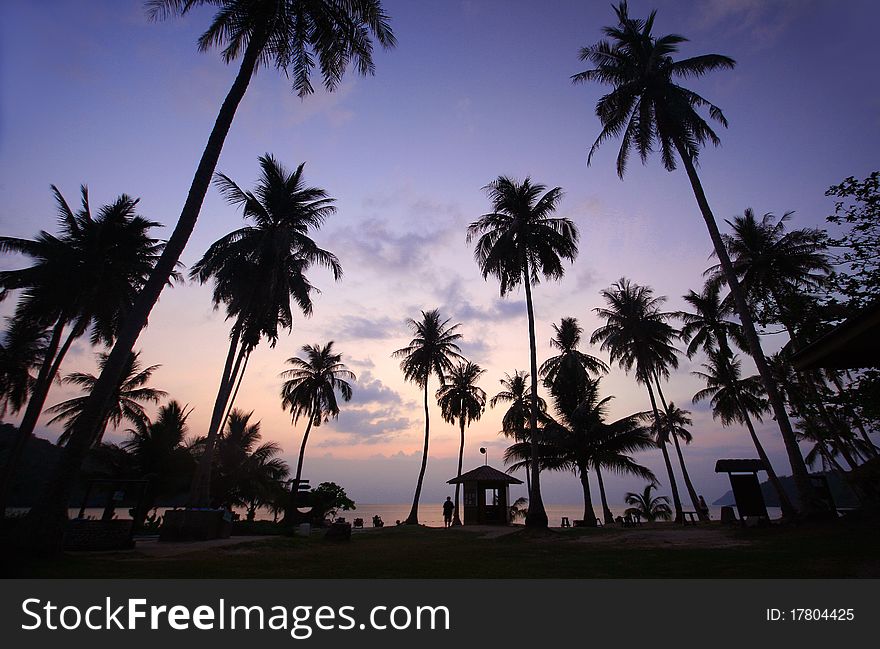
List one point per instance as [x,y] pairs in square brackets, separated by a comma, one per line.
[695,537]
[152,547]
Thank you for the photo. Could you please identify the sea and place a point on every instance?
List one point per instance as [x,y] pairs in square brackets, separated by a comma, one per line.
[430,514]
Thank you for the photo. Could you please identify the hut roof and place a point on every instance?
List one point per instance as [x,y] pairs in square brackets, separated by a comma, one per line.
[853,343]
[485,473]
[739,466]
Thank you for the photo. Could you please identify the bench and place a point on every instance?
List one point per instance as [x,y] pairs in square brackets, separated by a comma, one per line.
[565,522]
[689,518]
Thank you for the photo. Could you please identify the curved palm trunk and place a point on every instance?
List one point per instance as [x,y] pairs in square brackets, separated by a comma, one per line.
[701,514]
[788,509]
[44,527]
[536,516]
[456,520]
[809,503]
[200,489]
[676,500]
[606,511]
[290,515]
[413,518]
[589,512]
[48,369]
[247,357]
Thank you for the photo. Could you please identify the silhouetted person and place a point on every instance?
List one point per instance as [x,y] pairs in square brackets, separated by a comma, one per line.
[448,508]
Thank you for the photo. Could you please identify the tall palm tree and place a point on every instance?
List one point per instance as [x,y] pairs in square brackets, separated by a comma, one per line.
[673,423]
[310,390]
[706,326]
[292,36]
[131,393]
[84,280]
[647,507]
[648,109]
[570,362]
[257,271]
[460,398]
[518,242]
[431,351]
[160,454]
[517,392]
[736,400]
[637,336]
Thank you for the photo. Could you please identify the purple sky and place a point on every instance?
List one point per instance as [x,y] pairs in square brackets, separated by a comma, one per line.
[93,93]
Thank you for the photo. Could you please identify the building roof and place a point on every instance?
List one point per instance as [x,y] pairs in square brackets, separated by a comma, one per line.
[485,473]
[739,466]
[853,343]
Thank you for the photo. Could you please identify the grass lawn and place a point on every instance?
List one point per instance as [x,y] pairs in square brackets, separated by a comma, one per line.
[662,551]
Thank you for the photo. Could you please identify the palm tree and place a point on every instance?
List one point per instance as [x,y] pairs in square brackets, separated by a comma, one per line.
[651,509]
[706,327]
[520,241]
[736,400]
[84,279]
[244,466]
[517,392]
[310,390]
[22,350]
[126,400]
[672,423]
[461,399]
[637,336]
[160,454]
[289,34]
[431,351]
[647,108]
[257,271]
[570,362]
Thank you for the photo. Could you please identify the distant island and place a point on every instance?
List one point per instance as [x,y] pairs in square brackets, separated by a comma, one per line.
[841,493]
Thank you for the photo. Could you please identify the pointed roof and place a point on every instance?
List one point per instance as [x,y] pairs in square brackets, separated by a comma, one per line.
[485,473]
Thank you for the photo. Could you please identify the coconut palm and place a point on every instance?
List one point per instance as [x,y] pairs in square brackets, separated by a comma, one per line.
[257,271]
[431,351]
[127,400]
[461,399]
[292,36]
[20,352]
[706,326]
[673,424]
[81,281]
[518,509]
[570,362]
[518,242]
[309,390]
[638,337]
[651,509]
[737,400]
[517,392]
[648,109]
[160,455]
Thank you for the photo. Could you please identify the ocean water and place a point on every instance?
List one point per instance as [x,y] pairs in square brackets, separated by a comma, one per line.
[430,513]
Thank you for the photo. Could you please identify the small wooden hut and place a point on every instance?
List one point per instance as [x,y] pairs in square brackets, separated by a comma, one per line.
[486,494]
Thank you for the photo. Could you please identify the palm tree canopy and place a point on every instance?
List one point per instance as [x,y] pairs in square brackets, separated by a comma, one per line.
[570,361]
[460,398]
[706,327]
[773,263]
[312,383]
[22,349]
[647,108]
[90,273]
[159,448]
[257,270]
[676,421]
[730,395]
[517,391]
[647,507]
[296,35]
[432,349]
[127,399]
[520,234]
[636,333]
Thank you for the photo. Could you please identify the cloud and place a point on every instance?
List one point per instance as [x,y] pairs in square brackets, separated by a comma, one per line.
[761,20]
[362,328]
[361,425]
[369,389]
[455,301]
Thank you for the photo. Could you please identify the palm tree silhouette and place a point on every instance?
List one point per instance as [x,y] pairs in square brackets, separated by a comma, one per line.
[518,242]
[636,335]
[461,399]
[291,35]
[706,327]
[159,453]
[648,109]
[257,271]
[571,367]
[673,423]
[651,509]
[21,350]
[126,400]
[82,280]
[518,393]
[310,390]
[431,351]
[736,400]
